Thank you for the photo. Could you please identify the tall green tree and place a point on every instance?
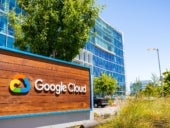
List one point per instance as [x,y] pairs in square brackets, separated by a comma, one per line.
[54,27]
[104,84]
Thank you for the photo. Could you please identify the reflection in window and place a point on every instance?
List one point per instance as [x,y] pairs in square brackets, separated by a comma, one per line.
[10,30]
[11,4]
[3,22]
[3,5]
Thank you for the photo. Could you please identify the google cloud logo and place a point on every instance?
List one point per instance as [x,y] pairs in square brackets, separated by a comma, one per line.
[18,80]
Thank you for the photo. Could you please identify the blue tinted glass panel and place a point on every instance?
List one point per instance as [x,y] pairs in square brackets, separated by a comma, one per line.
[18,10]
[3,23]
[2,40]
[118,44]
[10,31]
[11,4]
[10,42]
[2,5]
[117,36]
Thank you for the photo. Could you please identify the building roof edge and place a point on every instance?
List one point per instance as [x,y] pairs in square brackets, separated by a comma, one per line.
[116,29]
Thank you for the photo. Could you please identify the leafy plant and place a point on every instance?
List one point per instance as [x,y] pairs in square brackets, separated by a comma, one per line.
[104,84]
[57,28]
[166,83]
[150,90]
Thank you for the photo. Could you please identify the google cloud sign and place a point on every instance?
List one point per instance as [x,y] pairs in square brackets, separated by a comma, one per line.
[15,83]
[39,85]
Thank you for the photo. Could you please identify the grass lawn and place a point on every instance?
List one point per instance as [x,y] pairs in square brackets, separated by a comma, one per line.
[142,113]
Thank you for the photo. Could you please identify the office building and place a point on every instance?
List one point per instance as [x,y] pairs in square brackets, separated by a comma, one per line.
[103,52]
[6,32]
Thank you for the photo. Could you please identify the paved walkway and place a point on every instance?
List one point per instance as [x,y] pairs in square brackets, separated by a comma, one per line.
[101,112]
[106,110]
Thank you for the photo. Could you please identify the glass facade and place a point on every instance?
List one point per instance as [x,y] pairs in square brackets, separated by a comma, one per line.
[6,32]
[105,48]
[103,52]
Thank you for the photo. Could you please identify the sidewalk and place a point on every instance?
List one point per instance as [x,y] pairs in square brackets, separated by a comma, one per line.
[106,110]
[101,115]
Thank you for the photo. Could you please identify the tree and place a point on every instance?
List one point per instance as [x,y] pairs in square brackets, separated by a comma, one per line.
[150,90]
[166,83]
[104,84]
[53,27]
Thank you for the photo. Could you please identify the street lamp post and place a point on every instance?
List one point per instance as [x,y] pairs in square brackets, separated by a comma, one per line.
[157,51]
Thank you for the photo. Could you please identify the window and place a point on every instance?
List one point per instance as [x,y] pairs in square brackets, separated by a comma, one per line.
[84,56]
[2,38]
[3,22]
[2,4]
[10,42]
[18,10]
[10,30]
[11,4]
[81,55]
[89,58]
